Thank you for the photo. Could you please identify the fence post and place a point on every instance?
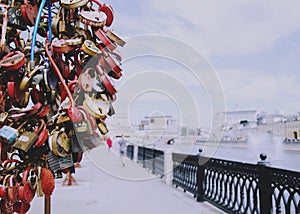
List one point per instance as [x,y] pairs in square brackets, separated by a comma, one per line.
[264,185]
[144,156]
[200,180]
[153,161]
[168,168]
[135,152]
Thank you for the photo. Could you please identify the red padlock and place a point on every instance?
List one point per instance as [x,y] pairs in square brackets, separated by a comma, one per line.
[107,9]
[26,191]
[104,39]
[44,134]
[13,189]
[29,13]
[13,61]
[74,115]
[60,47]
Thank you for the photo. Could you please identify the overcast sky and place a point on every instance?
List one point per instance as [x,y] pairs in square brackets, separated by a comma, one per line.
[252,46]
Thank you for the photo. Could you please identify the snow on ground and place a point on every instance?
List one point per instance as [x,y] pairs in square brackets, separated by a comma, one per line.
[105,186]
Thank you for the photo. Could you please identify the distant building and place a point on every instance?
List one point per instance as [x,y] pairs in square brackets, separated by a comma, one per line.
[238,125]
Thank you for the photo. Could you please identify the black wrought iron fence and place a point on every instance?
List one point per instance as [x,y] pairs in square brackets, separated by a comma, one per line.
[151,159]
[238,187]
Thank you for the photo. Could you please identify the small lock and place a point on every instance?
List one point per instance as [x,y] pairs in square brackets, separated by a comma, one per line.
[105,40]
[15,18]
[8,134]
[93,18]
[102,127]
[13,61]
[3,117]
[60,143]
[97,108]
[84,126]
[62,28]
[29,137]
[90,48]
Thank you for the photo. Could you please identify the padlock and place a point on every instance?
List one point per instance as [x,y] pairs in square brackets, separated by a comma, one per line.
[60,47]
[73,4]
[50,79]
[26,80]
[3,117]
[29,137]
[115,38]
[102,126]
[13,189]
[26,190]
[43,135]
[29,13]
[21,207]
[60,143]
[90,48]
[105,81]
[86,79]
[107,9]
[55,22]
[111,64]
[105,40]
[92,18]
[62,28]
[13,61]
[9,134]
[97,108]
[15,18]
[83,127]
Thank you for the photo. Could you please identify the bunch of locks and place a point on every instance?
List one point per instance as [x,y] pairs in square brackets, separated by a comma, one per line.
[54,95]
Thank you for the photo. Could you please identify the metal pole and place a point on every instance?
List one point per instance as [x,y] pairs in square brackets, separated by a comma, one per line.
[47,205]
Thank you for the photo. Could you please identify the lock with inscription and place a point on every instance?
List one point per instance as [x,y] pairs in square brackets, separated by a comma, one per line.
[29,137]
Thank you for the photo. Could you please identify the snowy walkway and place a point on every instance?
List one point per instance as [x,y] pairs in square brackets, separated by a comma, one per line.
[104,186]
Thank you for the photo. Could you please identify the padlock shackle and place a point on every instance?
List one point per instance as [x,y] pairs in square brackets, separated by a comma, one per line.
[57,71]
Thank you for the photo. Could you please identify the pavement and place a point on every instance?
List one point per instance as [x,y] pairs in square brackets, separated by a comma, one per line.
[105,186]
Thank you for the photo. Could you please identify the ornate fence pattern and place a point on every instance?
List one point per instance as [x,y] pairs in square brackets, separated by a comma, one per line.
[238,187]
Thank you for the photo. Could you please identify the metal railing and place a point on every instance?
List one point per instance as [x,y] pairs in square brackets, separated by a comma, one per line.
[130,151]
[237,187]
[151,159]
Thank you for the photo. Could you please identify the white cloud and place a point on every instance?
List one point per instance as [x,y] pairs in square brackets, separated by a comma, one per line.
[248,88]
[216,27]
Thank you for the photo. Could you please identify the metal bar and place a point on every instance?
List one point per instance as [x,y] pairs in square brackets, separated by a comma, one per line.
[47,205]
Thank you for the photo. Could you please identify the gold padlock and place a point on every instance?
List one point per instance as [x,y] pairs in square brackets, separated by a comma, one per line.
[97,108]
[25,82]
[62,23]
[26,140]
[102,127]
[115,38]
[90,48]
[55,22]
[60,143]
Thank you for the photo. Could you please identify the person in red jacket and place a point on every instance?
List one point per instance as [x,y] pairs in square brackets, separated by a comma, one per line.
[109,143]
